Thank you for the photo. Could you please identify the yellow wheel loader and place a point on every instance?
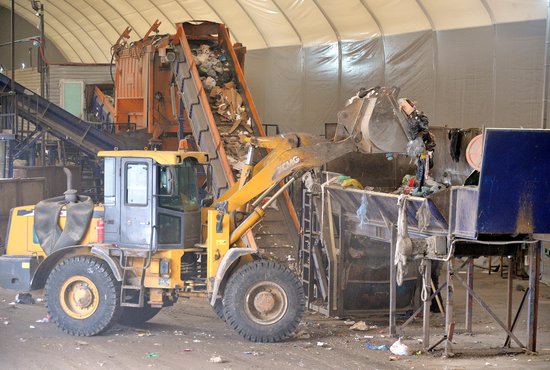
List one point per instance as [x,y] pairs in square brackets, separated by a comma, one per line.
[159,236]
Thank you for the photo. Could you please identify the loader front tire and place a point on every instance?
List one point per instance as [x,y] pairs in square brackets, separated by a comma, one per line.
[83,295]
[264,301]
[218,309]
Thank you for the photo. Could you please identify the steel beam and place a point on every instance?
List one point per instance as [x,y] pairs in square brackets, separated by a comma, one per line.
[469,300]
[533,301]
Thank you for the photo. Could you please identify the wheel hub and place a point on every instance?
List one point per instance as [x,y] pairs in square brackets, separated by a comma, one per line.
[79,297]
[83,296]
[266,303]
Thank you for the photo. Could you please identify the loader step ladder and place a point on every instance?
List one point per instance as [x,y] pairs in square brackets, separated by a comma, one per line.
[127,289]
[312,273]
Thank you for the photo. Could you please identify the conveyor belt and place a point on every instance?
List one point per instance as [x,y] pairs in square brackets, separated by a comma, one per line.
[203,124]
[59,122]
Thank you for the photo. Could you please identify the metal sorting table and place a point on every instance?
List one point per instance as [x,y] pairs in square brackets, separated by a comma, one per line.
[509,209]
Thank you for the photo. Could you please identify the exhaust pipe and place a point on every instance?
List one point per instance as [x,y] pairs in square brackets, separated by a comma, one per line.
[70,193]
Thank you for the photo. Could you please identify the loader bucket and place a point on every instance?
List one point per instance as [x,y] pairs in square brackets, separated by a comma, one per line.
[375,114]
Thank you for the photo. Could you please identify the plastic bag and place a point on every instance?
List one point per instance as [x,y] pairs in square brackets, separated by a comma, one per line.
[400,349]
[362,211]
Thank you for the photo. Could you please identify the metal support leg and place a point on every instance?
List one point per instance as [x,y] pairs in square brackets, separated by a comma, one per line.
[533,301]
[489,311]
[469,298]
[510,293]
[520,308]
[427,304]
[393,281]
[449,320]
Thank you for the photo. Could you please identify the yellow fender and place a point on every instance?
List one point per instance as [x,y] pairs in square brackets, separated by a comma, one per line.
[44,268]
[230,258]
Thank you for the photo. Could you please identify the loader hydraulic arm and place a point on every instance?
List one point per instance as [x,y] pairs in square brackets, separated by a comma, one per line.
[289,154]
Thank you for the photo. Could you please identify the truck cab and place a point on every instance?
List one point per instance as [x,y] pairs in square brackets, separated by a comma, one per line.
[153,198]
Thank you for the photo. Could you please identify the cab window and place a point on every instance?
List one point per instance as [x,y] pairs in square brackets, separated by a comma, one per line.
[178,188]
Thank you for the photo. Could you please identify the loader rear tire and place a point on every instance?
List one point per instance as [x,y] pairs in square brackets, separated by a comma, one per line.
[264,301]
[83,295]
[135,316]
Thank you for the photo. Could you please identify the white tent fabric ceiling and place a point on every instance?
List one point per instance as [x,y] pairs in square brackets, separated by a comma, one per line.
[468,63]
[84,30]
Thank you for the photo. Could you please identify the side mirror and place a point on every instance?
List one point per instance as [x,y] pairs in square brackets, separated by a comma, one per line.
[207,201]
[169,182]
[209,179]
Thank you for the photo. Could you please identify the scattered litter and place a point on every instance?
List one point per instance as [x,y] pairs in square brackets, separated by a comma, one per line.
[379,347]
[349,322]
[196,341]
[6,322]
[187,350]
[12,304]
[152,355]
[39,299]
[361,325]
[81,343]
[322,344]
[157,344]
[46,319]
[217,359]
[100,364]
[252,353]
[31,326]
[418,353]
[394,358]
[22,340]
[400,349]
[24,298]
[178,333]
[143,333]
[368,336]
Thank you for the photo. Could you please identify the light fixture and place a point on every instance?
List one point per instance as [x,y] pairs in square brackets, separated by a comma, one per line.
[38,7]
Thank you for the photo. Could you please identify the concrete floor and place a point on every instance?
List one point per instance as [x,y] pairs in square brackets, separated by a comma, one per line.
[188,335]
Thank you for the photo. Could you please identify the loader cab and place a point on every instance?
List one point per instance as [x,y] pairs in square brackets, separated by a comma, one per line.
[153,198]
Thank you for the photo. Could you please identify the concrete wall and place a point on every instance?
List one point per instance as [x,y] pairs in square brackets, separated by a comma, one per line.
[56,181]
[18,192]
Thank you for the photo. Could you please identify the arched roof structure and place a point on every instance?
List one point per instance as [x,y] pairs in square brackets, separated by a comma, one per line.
[83,30]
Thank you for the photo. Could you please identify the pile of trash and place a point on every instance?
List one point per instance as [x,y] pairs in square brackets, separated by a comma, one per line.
[411,186]
[227,105]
